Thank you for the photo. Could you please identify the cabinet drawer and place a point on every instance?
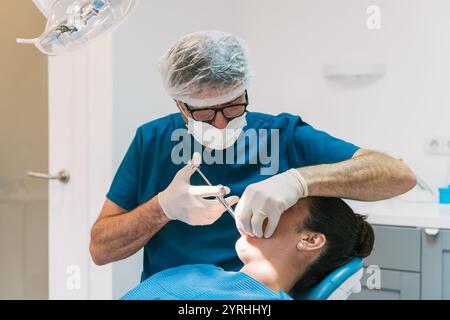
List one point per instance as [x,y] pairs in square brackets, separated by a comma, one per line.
[395,285]
[396,249]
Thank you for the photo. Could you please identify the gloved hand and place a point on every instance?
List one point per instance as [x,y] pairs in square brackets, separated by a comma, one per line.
[184,202]
[269,199]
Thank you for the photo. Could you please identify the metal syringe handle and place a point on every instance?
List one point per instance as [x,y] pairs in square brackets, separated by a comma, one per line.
[220,198]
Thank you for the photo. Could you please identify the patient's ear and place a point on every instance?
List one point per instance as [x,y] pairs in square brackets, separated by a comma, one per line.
[310,241]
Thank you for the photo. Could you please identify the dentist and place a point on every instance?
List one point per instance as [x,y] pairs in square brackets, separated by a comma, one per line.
[160,205]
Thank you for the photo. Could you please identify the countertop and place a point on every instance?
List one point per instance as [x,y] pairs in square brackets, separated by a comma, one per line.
[405,212]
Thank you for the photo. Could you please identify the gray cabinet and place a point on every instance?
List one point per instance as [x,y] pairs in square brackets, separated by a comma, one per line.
[436,265]
[396,249]
[395,285]
[397,252]
[413,264]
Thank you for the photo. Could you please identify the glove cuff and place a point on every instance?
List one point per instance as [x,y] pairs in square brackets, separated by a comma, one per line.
[302,184]
[161,203]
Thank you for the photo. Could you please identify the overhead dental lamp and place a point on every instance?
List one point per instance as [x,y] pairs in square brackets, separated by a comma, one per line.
[73,24]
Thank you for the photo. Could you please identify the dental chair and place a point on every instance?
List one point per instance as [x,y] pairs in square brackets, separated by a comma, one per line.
[339,284]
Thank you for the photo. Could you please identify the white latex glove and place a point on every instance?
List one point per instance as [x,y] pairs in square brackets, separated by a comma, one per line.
[184,202]
[269,199]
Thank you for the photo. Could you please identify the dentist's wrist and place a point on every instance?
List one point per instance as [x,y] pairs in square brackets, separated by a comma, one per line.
[156,207]
[300,181]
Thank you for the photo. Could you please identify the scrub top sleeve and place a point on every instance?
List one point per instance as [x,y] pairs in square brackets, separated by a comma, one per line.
[125,187]
[314,147]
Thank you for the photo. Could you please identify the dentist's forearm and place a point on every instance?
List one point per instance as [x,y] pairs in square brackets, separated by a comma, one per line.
[118,237]
[371,176]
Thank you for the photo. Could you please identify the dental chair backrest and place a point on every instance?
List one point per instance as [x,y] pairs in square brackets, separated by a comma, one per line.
[339,284]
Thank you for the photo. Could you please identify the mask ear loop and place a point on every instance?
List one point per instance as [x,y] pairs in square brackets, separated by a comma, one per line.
[184,114]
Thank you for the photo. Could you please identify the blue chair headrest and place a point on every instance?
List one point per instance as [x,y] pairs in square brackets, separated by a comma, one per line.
[333,281]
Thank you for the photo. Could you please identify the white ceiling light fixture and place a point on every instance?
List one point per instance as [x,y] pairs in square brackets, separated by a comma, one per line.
[73,24]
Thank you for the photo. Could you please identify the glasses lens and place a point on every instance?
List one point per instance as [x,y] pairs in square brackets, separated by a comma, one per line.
[234,111]
[203,115]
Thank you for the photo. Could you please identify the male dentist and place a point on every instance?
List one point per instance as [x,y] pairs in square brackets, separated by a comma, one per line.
[159,203]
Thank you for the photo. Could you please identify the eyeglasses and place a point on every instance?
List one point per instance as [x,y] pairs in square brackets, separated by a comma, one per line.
[209,114]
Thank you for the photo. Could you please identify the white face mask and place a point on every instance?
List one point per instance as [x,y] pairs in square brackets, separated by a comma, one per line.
[217,139]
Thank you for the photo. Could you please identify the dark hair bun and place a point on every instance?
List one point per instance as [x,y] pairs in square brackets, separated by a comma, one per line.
[365,238]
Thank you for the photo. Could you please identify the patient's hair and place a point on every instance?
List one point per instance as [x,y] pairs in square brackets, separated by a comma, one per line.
[348,235]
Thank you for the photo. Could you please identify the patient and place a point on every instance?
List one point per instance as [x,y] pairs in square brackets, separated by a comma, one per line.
[314,237]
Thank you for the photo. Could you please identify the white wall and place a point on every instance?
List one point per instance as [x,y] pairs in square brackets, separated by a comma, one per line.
[290,42]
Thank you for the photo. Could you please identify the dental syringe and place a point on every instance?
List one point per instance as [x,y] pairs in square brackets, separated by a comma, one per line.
[220,198]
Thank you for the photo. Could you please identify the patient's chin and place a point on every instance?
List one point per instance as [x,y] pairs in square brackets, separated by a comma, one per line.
[242,246]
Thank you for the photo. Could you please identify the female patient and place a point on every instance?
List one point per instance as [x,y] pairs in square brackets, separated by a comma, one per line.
[313,238]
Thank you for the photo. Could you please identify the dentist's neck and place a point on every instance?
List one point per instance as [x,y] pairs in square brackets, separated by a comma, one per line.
[274,276]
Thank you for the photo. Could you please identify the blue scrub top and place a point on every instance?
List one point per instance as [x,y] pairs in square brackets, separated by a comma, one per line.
[147,169]
[202,282]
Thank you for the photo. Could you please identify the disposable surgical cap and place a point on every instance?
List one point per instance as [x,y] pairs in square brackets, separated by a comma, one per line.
[206,68]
